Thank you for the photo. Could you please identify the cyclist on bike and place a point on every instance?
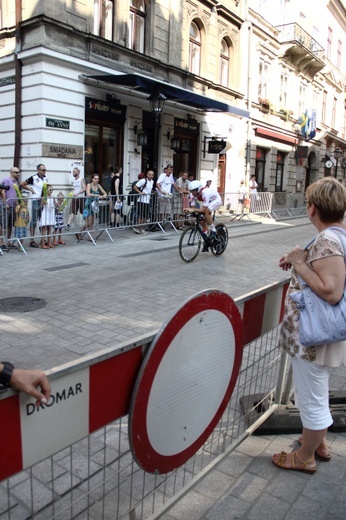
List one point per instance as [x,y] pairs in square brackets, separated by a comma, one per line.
[210,201]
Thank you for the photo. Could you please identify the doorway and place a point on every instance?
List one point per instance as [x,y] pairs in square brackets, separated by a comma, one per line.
[103,148]
[221,177]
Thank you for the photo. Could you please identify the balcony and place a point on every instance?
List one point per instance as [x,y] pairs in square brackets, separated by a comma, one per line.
[300,49]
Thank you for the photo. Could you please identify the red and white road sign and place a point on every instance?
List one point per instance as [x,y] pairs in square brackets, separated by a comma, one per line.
[186,381]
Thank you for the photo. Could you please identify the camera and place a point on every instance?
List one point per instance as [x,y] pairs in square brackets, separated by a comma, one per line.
[3,187]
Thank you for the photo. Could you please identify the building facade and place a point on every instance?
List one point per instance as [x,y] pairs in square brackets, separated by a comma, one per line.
[76,78]
[216,89]
[297,90]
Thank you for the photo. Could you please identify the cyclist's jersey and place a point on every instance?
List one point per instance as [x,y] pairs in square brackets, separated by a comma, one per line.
[210,198]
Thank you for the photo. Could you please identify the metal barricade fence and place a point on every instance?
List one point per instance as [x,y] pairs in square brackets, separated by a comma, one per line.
[94,476]
[88,218]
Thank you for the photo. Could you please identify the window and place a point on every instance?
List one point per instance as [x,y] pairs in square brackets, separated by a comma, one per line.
[283,90]
[224,63]
[7,14]
[103,18]
[335,102]
[338,58]
[324,106]
[263,80]
[195,49]
[279,177]
[260,166]
[137,25]
[302,98]
[329,42]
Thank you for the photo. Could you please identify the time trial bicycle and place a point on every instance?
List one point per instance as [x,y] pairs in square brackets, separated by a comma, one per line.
[192,237]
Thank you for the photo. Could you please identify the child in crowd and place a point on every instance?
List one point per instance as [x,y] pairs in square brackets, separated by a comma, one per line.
[47,219]
[59,219]
[21,222]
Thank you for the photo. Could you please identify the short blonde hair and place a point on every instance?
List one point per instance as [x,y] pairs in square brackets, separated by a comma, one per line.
[329,197]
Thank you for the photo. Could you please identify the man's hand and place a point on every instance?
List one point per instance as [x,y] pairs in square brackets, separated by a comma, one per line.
[29,381]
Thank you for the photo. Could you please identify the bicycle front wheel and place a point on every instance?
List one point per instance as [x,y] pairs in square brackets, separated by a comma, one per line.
[189,244]
[220,241]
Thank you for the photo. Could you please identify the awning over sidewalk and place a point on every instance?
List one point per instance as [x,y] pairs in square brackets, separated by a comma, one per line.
[148,86]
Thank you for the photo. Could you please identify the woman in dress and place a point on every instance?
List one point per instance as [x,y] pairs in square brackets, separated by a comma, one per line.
[47,218]
[94,192]
[322,268]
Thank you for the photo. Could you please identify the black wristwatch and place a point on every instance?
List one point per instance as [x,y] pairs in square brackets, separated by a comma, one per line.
[6,373]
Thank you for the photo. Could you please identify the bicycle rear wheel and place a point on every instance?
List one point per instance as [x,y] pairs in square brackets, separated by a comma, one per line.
[220,241]
[189,244]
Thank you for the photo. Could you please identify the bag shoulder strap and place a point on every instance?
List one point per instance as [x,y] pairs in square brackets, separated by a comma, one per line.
[342,236]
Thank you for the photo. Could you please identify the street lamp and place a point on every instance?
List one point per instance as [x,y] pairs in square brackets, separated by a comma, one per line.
[157,101]
[337,155]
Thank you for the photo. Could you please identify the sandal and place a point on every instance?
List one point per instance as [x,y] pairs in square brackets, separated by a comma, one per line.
[61,242]
[318,455]
[33,244]
[55,243]
[282,462]
[44,247]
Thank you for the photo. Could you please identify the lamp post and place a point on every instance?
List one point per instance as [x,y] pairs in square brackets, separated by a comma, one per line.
[337,155]
[157,101]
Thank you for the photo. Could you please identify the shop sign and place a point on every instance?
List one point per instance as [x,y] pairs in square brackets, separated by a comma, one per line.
[10,80]
[69,151]
[186,126]
[301,152]
[57,123]
[110,110]
[216,146]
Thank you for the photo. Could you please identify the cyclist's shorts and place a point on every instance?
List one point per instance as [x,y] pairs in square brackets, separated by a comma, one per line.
[213,205]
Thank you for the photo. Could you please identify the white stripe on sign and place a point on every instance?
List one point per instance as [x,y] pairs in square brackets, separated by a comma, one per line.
[190,382]
[63,421]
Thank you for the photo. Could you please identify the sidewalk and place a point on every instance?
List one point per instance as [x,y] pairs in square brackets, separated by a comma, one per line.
[97,297]
[247,486]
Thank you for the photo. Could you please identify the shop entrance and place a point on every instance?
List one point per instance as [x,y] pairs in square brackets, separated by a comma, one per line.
[103,139]
[221,178]
[101,151]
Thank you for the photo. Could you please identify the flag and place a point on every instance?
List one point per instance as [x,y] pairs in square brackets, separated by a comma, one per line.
[307,124]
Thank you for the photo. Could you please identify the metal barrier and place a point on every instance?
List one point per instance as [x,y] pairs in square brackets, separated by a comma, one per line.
[86,469]
[84,218]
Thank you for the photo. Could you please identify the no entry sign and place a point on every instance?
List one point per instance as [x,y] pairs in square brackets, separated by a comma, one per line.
[185,381]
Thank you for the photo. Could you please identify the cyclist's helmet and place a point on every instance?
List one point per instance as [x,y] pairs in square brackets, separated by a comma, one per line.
[195,185]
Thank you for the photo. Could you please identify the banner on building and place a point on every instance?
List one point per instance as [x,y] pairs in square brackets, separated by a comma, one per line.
[307,123]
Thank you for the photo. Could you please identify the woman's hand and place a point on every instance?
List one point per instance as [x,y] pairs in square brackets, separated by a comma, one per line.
[297,257]
[284,263]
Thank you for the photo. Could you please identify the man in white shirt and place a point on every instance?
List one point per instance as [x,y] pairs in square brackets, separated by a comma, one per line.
[34,185]
[144,187]
[79,188]
[164,186]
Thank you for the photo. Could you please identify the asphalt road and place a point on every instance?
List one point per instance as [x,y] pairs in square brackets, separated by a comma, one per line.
[100,296]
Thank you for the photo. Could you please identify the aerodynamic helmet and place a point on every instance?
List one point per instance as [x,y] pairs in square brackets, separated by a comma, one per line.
[195,185]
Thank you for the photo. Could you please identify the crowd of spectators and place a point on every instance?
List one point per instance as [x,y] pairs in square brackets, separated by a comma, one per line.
[32,214]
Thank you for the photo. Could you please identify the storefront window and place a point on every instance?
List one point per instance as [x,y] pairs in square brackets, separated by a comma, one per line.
[101,151]
[260,166]
[280,166]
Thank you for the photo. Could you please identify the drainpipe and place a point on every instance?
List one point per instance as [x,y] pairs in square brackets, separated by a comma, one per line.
[249,124]
[18,86]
